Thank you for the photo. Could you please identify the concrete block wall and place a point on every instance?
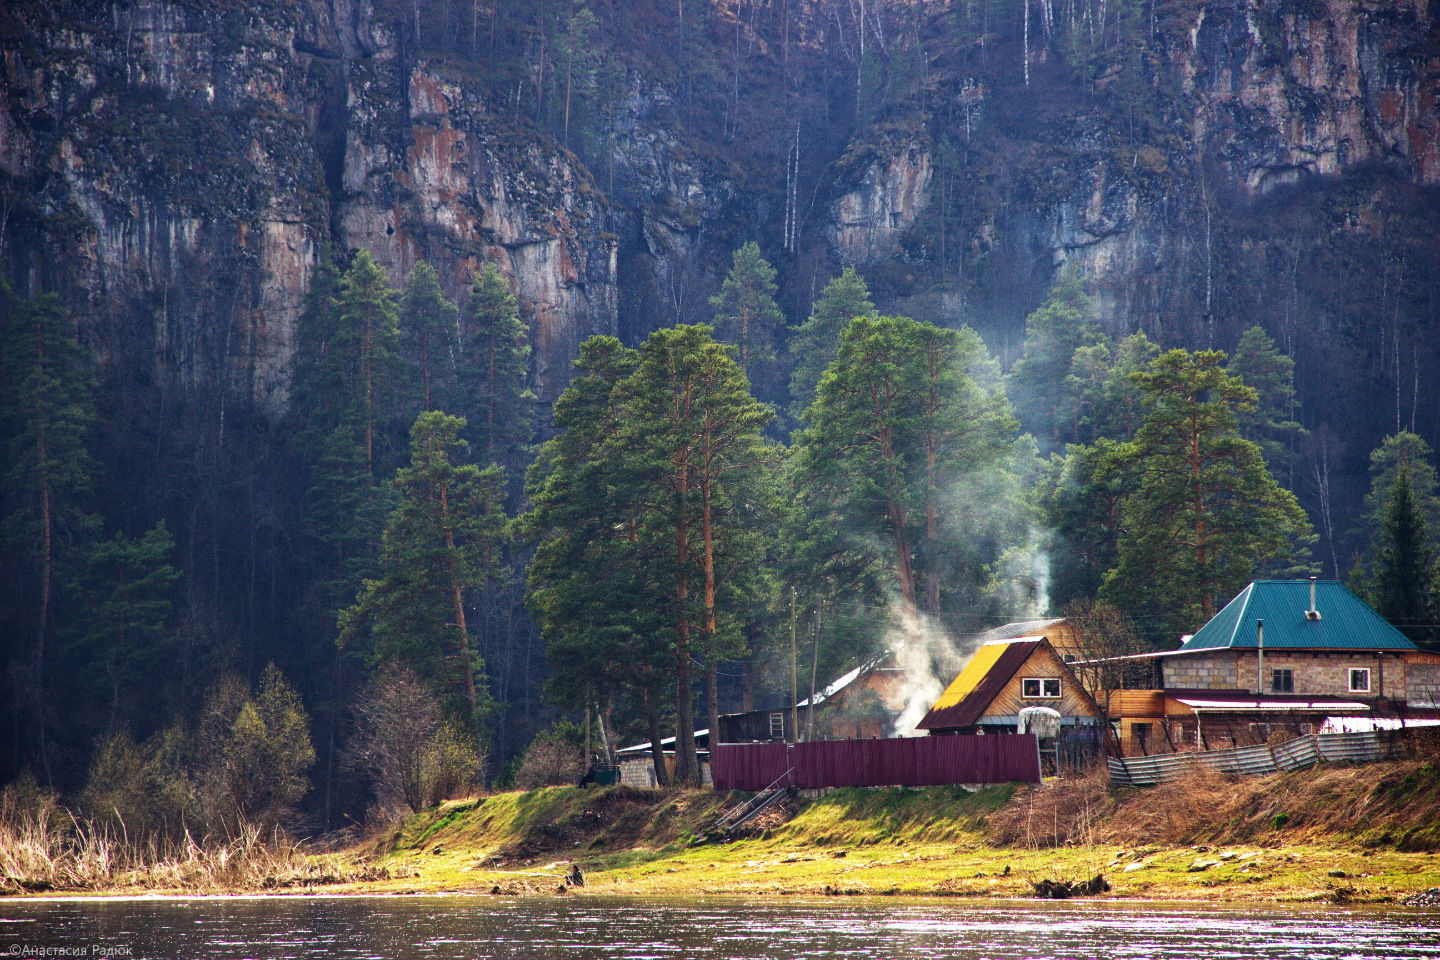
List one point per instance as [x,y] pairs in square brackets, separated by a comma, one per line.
[1422,684]
[1200,671]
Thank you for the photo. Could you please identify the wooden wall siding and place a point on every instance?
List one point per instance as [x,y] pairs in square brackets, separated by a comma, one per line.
[1040,663]
[1065,639]
[1136,703]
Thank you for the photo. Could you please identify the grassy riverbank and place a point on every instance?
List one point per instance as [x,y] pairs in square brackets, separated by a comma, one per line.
[1365,834]
[1334,834]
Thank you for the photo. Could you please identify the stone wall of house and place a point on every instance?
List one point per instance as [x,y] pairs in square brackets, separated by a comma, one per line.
[1328,674]
[1316,674]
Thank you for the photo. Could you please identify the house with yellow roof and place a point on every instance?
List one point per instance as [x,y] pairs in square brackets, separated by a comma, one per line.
[1002,678]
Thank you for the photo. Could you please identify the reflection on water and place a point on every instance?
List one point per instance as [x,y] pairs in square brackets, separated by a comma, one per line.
[575,928]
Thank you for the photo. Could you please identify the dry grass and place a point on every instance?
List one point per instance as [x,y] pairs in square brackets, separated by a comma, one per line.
[1055,814]
[1391,804]
[43,847]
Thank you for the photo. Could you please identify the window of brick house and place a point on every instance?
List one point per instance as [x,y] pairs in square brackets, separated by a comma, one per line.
[1359,680]
[1283,681]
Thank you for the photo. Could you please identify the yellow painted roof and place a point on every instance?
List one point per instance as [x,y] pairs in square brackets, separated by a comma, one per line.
[974,671]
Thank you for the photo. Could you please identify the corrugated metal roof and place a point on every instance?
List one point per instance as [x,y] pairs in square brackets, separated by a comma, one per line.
[1249,703]
[1014,631]
[983,677]
[1346,622]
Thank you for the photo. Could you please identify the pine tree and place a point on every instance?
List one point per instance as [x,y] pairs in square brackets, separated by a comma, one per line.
[494,371]
[746,314]
[597,594]
[897,419]
[1044,382]
[441,542]
[1205,514]
[817,340]
[691,440]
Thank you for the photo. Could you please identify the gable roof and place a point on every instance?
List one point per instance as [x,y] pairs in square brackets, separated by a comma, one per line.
[982,679]
[1346,622]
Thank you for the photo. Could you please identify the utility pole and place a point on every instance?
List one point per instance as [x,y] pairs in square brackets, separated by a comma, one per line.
[794,680]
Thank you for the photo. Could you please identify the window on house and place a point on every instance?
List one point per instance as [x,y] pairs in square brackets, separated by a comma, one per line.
[777,726]
[1360,680]
[1040,688]
[1283,681]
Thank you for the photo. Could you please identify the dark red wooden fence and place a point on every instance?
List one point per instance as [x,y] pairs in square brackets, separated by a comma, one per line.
[902,762]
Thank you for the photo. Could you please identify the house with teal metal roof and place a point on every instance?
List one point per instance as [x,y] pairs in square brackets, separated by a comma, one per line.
[1281,657]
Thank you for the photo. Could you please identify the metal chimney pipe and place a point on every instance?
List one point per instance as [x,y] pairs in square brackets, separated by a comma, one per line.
[1312,594]
[1260,658]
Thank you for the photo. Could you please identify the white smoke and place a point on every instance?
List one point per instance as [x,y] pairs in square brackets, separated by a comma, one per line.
[930,659]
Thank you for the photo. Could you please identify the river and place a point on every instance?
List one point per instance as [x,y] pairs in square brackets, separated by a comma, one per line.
[781,928]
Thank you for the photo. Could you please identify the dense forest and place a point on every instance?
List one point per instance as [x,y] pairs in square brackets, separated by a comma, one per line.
[394,393]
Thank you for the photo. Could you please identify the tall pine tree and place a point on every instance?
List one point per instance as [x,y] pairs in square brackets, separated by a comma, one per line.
[1205,515]
[441,542]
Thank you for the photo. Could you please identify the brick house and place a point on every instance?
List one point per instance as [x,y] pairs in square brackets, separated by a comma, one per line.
[1279,659]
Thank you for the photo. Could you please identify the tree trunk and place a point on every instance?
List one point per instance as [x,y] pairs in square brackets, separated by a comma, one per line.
[457,600]
[657,750]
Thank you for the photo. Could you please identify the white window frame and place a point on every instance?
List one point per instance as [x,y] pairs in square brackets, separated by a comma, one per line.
[1354,671]
[1040,686]
[777,726]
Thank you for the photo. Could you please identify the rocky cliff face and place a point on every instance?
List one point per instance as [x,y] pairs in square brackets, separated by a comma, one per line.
[1260,96]
[174,169]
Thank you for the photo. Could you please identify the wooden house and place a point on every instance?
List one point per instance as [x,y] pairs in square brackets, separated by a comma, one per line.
[862,704]
[1277,661]
[1005,676]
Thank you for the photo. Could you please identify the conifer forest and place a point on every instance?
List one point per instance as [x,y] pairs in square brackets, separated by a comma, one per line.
[398,396]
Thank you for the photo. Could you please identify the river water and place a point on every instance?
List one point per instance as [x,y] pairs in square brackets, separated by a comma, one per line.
[781,928]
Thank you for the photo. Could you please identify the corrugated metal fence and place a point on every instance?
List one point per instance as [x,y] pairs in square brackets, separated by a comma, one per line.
[902,762]
[1296,754]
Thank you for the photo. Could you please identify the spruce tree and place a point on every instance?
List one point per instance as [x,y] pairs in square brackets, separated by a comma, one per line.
[1403,587]
[494,373]
[817,340]
[428,322]
[746,313]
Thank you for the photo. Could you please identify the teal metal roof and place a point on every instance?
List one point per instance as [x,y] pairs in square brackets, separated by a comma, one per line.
[1346,622]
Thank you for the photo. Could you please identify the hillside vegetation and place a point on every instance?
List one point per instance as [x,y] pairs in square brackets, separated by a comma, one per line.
[1340,834]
